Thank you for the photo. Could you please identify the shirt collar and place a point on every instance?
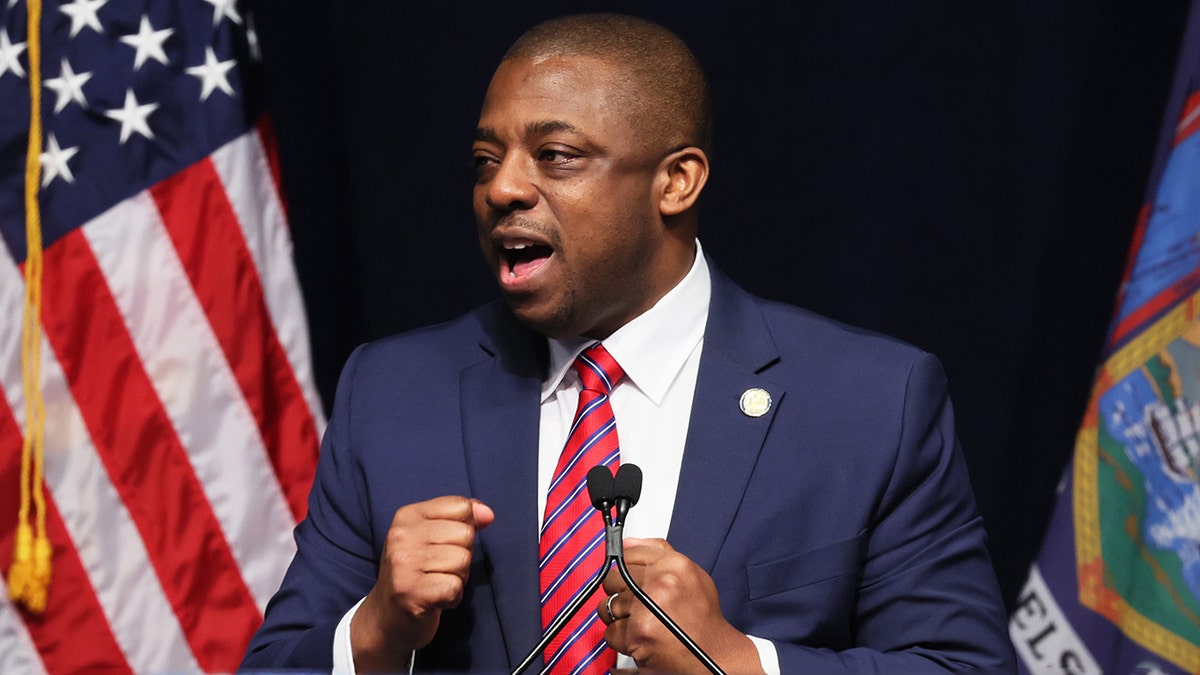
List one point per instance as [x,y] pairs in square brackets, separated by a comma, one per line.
[653,347]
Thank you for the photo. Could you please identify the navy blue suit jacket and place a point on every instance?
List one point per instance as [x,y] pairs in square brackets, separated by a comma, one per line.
[840,525]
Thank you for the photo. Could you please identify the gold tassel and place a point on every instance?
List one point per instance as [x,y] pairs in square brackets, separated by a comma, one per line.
[29,578]
[20,575]
[39,586]
[29,575]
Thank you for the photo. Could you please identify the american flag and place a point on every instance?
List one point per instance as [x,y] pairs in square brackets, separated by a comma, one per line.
[182,425]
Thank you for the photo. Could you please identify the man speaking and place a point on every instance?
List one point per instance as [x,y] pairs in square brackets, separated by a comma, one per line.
[806,508]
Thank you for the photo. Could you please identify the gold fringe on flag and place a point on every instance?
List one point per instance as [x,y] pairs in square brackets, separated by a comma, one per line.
[29,576]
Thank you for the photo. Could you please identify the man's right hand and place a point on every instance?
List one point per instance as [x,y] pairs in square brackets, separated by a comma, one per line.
[425,563]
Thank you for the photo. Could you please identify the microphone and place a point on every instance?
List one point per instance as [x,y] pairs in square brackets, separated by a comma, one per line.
[601,486]
[627,488]
[627,484]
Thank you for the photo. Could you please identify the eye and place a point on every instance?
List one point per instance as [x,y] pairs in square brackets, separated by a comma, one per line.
[557,155]
[481,161]
[480,157]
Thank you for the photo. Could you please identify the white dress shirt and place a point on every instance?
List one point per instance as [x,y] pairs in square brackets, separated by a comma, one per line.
[660,354]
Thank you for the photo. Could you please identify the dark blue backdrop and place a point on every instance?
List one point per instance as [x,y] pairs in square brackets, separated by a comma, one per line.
[965,176]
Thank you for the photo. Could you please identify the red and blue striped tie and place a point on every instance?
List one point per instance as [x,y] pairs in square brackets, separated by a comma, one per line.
[572,541]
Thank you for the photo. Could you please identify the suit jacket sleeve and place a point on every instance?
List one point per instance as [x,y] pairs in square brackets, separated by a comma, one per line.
[927,599]
[335,563]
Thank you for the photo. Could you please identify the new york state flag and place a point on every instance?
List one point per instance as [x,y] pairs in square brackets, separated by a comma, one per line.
[1116,586]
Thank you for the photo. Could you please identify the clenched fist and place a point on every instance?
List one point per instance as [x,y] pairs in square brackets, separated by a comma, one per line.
[687,594]
[423,571]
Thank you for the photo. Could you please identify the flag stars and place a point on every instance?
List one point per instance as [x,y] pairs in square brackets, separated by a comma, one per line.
[9,54]
[54,162]
[83,15]
[148,43]
[213,74]
[133,117]
[69,87]
[224,8]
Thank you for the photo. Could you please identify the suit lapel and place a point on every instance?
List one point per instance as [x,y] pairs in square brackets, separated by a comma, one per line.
[500,411]
[723,443]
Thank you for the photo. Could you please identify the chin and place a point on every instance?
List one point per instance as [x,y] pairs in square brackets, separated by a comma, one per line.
[551,322]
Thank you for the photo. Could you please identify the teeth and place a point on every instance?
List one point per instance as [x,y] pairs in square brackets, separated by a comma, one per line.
[515,247]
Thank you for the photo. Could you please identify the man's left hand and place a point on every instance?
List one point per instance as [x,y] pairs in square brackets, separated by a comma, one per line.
[688,595]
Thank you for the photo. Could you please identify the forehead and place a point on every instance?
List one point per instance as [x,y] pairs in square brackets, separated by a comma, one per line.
[583,93]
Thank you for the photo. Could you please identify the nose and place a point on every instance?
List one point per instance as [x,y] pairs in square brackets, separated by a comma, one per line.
[510,188]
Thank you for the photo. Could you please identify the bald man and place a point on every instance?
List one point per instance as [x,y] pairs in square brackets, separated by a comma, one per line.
[806,507]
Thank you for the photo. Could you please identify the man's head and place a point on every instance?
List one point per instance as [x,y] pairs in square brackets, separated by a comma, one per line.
[590,156]
[661,87]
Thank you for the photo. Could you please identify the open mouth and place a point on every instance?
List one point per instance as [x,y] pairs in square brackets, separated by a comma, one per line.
[520,259]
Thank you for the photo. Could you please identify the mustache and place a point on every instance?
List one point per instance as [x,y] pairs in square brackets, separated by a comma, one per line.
[519,222]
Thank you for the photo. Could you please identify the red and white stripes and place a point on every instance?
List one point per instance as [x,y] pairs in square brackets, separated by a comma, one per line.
[182,423]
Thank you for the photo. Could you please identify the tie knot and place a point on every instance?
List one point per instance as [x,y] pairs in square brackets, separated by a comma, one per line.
[597,369]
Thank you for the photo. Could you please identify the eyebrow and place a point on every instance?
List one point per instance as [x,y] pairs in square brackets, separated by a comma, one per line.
[531,129]
[548,126]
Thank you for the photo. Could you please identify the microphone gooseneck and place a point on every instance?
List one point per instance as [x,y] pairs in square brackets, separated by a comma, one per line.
[666,620]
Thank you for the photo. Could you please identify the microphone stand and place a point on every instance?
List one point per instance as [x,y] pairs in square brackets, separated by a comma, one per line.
[615,552]
[573,608]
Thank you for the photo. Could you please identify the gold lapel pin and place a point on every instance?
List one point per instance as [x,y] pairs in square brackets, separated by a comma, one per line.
[755,402]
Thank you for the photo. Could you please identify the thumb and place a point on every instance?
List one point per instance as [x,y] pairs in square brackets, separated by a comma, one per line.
[660,544]
[482,514]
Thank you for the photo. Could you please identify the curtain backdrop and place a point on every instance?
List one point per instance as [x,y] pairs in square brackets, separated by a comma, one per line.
[964,176]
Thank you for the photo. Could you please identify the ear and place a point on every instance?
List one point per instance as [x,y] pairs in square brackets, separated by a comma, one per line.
[682,175]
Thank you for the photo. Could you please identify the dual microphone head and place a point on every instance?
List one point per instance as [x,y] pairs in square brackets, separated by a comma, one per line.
[621,490]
